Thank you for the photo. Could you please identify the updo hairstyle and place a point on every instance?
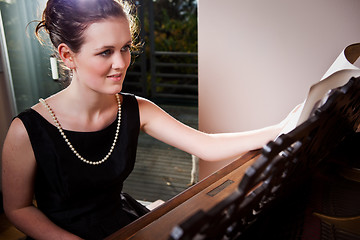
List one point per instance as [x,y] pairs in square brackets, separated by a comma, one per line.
[66,20]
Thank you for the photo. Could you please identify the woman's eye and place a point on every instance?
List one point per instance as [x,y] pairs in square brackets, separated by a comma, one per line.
[125,48]
[105,53]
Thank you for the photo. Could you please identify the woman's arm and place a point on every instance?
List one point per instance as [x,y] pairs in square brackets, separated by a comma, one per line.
[211,147]
[18,173]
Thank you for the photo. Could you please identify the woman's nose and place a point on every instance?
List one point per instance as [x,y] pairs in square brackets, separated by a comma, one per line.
[119,61]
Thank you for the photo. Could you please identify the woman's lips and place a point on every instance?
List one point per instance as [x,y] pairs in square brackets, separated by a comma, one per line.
[115,77]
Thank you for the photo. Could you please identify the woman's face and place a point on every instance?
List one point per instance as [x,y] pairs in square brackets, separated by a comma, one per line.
[104,57]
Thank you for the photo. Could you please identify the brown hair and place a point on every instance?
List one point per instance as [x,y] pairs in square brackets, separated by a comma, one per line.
[66,20]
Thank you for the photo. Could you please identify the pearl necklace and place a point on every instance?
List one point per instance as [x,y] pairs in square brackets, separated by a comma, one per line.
[58,125]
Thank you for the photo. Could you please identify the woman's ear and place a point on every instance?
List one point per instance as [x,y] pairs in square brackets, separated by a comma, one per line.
[66,55]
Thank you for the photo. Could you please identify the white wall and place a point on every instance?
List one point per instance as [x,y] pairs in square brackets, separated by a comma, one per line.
[258,58]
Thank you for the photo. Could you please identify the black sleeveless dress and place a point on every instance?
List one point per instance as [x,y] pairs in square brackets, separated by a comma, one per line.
[82,198]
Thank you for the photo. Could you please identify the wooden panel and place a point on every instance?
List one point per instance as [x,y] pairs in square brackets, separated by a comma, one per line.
[158,223]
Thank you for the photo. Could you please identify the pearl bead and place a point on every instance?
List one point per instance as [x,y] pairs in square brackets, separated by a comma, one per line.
[58,125]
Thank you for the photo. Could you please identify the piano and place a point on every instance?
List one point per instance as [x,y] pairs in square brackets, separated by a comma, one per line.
[303,185]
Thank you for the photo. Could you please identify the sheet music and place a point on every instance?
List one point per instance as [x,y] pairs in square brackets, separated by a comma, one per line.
[337,75]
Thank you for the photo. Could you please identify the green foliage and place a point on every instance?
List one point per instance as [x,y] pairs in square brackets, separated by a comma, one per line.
[175,30]
[175,25]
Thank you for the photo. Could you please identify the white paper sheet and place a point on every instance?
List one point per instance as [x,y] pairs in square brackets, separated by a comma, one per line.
[337,75]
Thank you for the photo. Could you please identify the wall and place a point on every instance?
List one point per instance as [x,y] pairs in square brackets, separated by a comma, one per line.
[258,58]
[6,113]
[7,102]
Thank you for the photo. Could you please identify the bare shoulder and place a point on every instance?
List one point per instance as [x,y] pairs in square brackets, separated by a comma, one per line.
[55,102]
[17,130]
[143,102]
[18,168]
[148,110]
[40,109]
[17,143]
[148,107]
[145,109]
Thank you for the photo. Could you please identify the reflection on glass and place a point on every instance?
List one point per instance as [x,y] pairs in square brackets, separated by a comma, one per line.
[29,61]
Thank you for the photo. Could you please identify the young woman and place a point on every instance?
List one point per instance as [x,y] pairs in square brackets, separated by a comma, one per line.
[74,149]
